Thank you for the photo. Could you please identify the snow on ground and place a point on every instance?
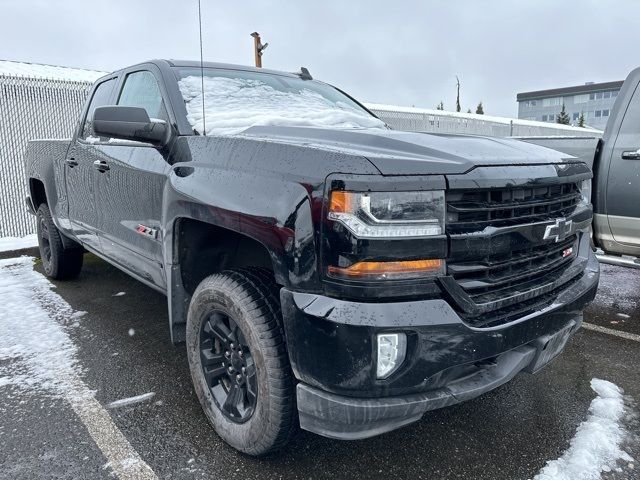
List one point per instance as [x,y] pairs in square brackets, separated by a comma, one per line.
[37,356]
[125,402]
[235,104]
[37,70]
[35,351]
[16,243]
[596,447]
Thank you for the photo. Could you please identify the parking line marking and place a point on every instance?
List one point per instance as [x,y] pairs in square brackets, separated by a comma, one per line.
[122,458]
[610,331]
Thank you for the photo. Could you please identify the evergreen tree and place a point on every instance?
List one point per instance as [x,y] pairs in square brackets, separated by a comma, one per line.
[581,120]
[468,110]
[563,117]
[458,95]
[440,106]
[480,109]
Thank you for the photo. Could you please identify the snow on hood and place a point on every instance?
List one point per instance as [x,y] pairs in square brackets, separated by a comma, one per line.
[235,104]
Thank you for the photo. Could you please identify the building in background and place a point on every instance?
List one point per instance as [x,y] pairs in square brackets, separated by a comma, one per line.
[593,99]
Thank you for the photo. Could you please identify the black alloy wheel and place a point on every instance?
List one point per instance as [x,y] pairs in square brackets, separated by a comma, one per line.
[58,261]
[228,367]
[238,360]
[45,242]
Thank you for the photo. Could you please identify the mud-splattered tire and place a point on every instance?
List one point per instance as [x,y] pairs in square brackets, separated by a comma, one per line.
[58,263]
[238,360]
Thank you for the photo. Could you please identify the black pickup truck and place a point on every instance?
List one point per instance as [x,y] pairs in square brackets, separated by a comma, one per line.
[324,270]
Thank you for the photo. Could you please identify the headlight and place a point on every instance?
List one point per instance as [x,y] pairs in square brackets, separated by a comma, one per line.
[392,348]
[389,214]
[585,191]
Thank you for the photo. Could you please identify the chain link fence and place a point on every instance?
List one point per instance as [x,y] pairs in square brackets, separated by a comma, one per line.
[30,108]
[438,121]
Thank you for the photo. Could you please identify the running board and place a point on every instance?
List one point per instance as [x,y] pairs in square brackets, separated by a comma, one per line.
[619,261]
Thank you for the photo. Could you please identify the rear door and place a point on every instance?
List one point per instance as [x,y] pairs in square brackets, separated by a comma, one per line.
[623,186]
[80,173]
[130,185]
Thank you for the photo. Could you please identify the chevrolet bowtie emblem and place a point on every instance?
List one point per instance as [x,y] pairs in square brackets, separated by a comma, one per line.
[560,230]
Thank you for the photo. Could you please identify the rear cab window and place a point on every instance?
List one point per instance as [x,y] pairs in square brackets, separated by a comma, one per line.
[101,97]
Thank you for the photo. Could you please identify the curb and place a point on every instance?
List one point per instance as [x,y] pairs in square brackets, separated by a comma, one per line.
[30,251]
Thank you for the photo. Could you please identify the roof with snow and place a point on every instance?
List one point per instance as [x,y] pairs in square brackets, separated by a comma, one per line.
[52,72]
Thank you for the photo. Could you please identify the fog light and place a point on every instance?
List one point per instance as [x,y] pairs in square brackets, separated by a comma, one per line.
[392,348]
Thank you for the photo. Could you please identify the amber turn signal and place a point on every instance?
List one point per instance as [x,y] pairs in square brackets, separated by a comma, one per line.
[401,269]
[341,202]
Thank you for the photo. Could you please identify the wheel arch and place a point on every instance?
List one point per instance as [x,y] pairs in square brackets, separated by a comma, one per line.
[197,249]
[37,193]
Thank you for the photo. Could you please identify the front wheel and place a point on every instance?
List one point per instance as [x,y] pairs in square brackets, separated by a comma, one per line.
[238,360]
[58,262]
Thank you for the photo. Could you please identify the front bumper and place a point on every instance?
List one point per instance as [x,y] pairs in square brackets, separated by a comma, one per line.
[331,346]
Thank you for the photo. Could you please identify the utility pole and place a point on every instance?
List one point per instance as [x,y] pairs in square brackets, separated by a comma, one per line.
[458,95]
[258,48]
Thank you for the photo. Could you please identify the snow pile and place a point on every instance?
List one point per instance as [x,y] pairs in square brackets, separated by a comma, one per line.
[596,445]
[53,72]
[235,104]
[35,351]
[8,244]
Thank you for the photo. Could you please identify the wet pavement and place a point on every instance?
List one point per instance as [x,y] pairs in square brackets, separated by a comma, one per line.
[123,345]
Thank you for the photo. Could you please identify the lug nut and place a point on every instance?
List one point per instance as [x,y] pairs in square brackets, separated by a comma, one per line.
[244,370]
[230,369]
[227,354]
[241,353]
[232,345]
[239,377]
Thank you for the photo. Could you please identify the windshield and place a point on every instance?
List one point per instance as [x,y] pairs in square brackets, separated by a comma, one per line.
[236,100]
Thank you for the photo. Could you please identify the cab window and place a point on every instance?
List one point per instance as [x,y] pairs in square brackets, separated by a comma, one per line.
[141,90]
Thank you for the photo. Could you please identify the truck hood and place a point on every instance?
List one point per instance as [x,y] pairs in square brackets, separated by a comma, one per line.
[395,152]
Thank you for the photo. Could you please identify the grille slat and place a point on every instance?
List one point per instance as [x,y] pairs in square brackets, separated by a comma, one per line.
[498,275]
[531,263]
[473,210]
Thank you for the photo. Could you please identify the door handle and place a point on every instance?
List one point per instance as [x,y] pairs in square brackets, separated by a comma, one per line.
[101,165]
[72,162]
[631,155]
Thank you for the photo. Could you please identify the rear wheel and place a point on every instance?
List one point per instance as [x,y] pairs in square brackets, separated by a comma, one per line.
[238,360]
[58,262]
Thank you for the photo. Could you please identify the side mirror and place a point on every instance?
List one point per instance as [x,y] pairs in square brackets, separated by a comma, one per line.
[128,123]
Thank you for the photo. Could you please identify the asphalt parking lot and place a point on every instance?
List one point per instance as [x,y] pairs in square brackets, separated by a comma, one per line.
[123,348]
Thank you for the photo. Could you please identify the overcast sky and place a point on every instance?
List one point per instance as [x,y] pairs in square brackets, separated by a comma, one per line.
[394,51]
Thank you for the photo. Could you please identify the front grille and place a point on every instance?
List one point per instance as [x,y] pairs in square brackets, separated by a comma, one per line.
[473,210]
[493,278]
[498,274]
